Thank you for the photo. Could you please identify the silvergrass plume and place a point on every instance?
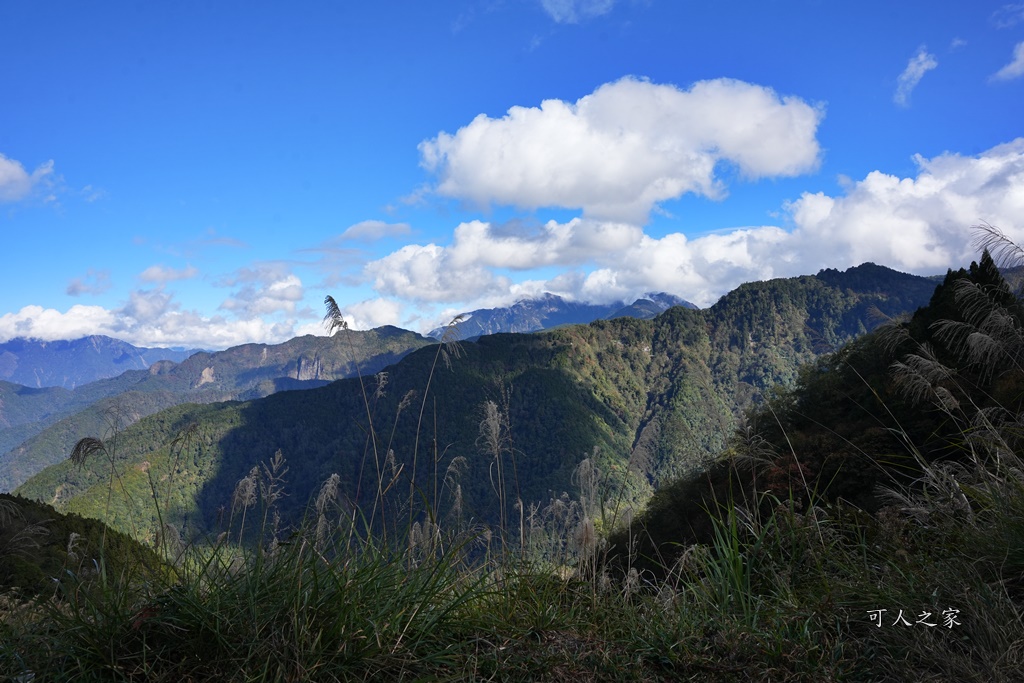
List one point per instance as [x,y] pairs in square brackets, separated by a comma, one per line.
[333,318]
[86,448]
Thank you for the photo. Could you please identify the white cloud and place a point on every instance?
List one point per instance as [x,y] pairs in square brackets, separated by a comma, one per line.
[94,282]
[571,11]
[145,305]
[48,324]
[917,224]
[420,273]
[368,231]
[149,319]
[630,144]
[920,64]
[266,288]
[434,273]
[160,274]
[16,183]
[1015,69]
[371,313]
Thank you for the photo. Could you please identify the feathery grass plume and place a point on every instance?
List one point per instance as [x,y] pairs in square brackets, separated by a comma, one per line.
[919,376]
[382,381]
[451,340]
[245,497]
[452,486]
[272,482]
[494,439]
[26,539]
[586,476]
[271,486]
[328,496]
[447,350]
[989,337]
[1005,252]
[85,448]
[72,548]
[88,446]
[334,320]
[328,493]
[8,511]
[893,335]
[585,540]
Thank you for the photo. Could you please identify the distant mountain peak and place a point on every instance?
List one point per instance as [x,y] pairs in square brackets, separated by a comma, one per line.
[73,362]
[549,310]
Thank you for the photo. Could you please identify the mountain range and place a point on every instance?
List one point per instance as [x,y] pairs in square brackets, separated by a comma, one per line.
[644,400]
[69,364]
[92,371]
[551,310]
[38,427]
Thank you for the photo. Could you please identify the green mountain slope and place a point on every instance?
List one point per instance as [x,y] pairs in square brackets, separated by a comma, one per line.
[922,406]
[647,400]
[38,427]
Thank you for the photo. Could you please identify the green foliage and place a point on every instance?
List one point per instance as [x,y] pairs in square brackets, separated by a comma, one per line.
[38,427]
[39,546]
[649,400]
[774,577]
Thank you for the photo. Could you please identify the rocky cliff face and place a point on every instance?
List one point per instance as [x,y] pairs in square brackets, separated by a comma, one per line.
[309,368]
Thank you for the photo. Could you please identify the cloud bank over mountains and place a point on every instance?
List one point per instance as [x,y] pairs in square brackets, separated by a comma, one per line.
[918,224]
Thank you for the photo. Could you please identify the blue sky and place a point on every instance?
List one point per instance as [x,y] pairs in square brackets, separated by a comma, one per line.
[203,174]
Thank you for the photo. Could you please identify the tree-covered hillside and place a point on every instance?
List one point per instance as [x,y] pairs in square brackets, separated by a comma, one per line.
[916,399]
[508,417]
[39,426]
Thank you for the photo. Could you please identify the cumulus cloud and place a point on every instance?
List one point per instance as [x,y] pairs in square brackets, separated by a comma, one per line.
[48,324]
[371,313]
[572,11]
[630,144]
[434,273]
[918,224]
[160,274]
[149,318]
[264,289]
[94,282]
[920,64]
[1015,69]
[369,231]
[16,183]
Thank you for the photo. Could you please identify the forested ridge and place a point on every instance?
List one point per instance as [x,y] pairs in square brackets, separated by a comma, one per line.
[860,522]
[38,427]
[646,400]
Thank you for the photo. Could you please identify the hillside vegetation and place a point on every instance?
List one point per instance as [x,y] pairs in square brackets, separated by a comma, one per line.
[643,400]
[861,524]
[38,427]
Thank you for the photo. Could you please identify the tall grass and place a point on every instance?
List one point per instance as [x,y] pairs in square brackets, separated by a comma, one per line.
[785,590]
